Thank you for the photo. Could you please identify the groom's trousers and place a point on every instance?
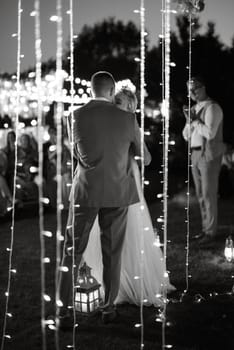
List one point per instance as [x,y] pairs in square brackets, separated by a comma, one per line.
[112,222]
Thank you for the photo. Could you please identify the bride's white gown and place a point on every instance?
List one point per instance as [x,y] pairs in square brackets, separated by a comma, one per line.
[139,236]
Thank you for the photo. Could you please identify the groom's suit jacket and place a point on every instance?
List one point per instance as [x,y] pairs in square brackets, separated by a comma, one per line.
[103,136]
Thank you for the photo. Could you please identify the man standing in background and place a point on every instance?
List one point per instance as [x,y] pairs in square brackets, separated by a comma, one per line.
[207,147]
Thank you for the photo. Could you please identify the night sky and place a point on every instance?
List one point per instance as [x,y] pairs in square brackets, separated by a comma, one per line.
[89,12]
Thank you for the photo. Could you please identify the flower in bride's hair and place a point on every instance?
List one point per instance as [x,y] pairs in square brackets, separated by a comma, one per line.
[125,84]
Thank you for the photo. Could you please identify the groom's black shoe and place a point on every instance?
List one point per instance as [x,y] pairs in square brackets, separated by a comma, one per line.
[109,316]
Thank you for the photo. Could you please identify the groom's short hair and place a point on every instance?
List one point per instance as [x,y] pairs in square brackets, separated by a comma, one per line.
[102,82]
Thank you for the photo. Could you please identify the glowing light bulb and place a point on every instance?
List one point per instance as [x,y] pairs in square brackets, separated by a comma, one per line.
[45,200]
[64,268]
[33,169]
[52,327]
[54,18]
[46,297]
[47,233]
[59,303]
[157,241]
[49,321]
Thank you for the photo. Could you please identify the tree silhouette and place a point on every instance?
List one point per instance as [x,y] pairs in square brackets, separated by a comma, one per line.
[109,45]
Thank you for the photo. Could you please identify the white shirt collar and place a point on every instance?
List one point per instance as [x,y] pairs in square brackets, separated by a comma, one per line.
[100,99]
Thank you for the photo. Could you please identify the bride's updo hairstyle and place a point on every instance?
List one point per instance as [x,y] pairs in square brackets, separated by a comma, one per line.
[125,99]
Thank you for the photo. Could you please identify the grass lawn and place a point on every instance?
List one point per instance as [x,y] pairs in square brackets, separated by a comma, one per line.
[206,325]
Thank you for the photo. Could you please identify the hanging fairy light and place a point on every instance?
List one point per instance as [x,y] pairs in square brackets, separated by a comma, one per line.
[141,60]
[72,92]
[189,8]
[162,36]
[44,260]
[142,112]
[59,115]
[142,89]
[188,162]
[7,293]
[166,114]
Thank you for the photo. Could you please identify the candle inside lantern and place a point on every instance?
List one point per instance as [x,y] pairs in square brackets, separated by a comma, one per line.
[228,251]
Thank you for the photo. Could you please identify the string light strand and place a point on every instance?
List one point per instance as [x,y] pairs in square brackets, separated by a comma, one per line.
[59,115]
[38,54]
[142,110]
[7,293]
[166,112]
[74,277]
[188,160]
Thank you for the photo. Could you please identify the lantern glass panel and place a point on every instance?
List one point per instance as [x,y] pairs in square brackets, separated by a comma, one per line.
[84,297]
[91,296]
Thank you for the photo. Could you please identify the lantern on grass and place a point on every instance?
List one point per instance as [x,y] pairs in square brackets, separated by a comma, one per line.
[87,293]
[228,251]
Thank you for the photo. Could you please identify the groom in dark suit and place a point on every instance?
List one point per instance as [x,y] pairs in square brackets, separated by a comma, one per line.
[103,185]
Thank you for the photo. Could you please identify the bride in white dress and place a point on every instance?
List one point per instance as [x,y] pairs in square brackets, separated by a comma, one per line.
[140,236]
